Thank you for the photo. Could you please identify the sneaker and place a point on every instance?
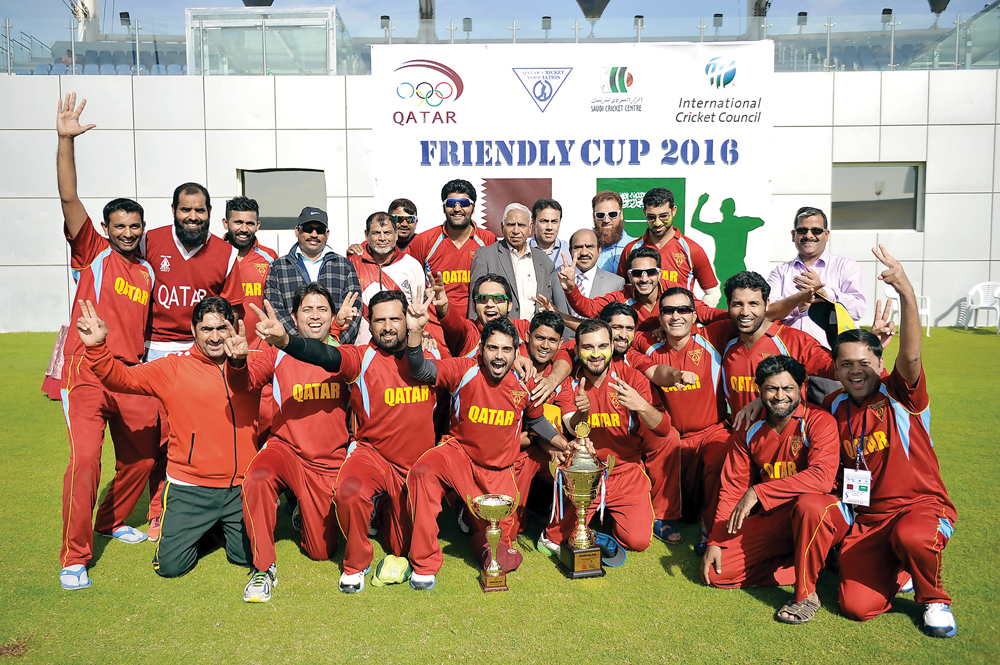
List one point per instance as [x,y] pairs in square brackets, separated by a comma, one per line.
[258,589]
[907,586]
[352,583]
[462,526]
[547,547]
[74,577]
[422,582]
[373,520]
[939,621]
[153,532]
[126,534]
[297,518]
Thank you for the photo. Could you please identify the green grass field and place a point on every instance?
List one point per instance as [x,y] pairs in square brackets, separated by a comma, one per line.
[651,610]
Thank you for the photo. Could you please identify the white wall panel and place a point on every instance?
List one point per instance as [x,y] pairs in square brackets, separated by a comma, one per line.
[359,94]
[854,244]
[995,230]
[904,98]
[229,150]
[316,149]
[962,96]
[32,232]
[799,171]
[167,159]
[957,227]
[855,144]
[947,282]
[358,209]
[109,100]
[340,225]
[903,143]
[27,163]
[361,158]
[903,245]
[33,298]
[157,210]
[168,102]
[29,102]
[310,102]
[105,163]
[801,99]
[960,158]
[239,102]
[857,98]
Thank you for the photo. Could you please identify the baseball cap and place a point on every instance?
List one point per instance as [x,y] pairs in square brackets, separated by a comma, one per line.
[392,570]
[313,215]
[612,553]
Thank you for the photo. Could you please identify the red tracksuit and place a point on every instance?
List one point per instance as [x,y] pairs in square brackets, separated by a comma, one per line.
[307,446]
[395,413]
[120,290]
[477,457]
[911,517]
[683,261]
[792,472]
[463,335]
[438,253]
[617,431]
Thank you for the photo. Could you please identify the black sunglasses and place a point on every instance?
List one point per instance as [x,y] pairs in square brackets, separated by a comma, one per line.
[670,310]
[802,230]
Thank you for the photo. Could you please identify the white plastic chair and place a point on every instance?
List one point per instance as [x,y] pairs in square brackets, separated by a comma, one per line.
[987,292]
[923,306]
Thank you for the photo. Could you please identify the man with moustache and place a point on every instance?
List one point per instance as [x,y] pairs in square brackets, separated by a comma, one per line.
[242,222]
[609,225]
[591,281]
[546,217]
[404,213]
[450,248]
[395,413]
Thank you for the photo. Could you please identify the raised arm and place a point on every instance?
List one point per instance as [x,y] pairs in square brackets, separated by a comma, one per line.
[68,126]
[908,362]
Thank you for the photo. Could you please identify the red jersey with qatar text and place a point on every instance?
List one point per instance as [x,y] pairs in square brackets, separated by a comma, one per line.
[252,270]
[591,307]
[614,430]
[698,407]
[310,409]
[184,278]
[120,290]
[486,415]
[780,466]
[739,363]
[463,336]
[438,253]
[682,260]
[893,428]
[395,410]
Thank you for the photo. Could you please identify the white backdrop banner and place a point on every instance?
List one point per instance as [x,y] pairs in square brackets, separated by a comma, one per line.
[527,121]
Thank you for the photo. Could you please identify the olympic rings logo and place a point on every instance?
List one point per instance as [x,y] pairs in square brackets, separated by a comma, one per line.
[425,93]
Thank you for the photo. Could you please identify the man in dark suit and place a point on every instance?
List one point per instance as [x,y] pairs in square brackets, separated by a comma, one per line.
[591,281]
[530,272]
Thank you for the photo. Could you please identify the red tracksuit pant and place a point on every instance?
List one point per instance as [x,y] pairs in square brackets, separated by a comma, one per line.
[364,475]
[530,462]
[448,465]
[663,467]
[786,545]
[272,470]
[627,501]
[703,453]
[88,408]
[880,546]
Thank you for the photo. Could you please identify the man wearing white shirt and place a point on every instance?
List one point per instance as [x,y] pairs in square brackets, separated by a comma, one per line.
[815,265]
[591,281]
[546,216]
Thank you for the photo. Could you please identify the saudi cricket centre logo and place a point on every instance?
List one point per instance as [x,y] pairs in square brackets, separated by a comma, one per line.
[615,80]
[720,73]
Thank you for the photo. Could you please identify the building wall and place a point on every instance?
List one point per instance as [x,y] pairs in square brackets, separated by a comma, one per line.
[155,132]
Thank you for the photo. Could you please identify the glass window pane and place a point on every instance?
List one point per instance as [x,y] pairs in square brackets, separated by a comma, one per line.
[877,196]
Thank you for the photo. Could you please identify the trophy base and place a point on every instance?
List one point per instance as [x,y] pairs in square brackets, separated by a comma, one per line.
[580,563]
[492,582]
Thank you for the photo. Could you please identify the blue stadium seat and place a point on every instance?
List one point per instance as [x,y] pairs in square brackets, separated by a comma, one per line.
[123,70]
[43,68]
[90,53]
[118,54]
[91,69]
[142,71]
[58,69]
[108,69]
[22,71]
[158,70]
[184,69]
[174,70]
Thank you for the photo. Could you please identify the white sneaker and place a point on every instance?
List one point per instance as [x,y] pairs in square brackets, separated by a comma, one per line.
[74,577]
[422,582]
[546,546]
[352,583]
[462,525]
[939,621]
[258,589]
[907,586]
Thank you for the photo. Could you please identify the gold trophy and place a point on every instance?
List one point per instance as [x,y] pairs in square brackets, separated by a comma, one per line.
[579,556]
[493,508]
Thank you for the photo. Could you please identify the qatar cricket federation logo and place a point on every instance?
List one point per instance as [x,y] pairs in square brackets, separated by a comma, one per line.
[518,397]
[720,73]
[145,276]
[613,397]
[695,355]
[796,442]
[542,83]
[165,264]
[680,258]
[879,410]
[615,80]
[262,268]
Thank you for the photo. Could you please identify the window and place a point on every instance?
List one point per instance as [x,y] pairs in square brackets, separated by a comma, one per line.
[876,197]
[283,193]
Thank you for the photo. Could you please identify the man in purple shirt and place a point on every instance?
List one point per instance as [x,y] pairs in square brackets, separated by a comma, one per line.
[813,266]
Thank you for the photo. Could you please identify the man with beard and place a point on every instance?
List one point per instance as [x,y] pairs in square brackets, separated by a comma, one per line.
[609,225]
[404,213]
[450,248]
[305,450]
[396,426]
[787,463]
[113,275]
[478,455]
[907,517]
[676,250]
[242,222]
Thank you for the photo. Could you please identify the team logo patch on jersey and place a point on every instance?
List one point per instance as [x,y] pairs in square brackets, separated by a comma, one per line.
[145,276]
[796,444]
[518,396]
[613,397]
[472,254]
[764,356]
[879,410]
[165,264]
[695,355]
[680,258]
[261,268]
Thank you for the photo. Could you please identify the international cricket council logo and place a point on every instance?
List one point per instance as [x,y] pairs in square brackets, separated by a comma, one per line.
[720,73]
[695,355]
[615,80]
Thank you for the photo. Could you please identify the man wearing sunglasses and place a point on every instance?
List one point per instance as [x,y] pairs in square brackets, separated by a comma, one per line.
[491,299]
[683,260]
[840,277]
[449,249]
[404,213]
[609,225]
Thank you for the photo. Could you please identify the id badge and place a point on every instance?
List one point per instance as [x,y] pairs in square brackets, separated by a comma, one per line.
[857,487]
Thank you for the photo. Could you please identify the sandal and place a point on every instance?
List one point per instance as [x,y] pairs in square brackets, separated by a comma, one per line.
[663,531]
[800,612]
[702,546]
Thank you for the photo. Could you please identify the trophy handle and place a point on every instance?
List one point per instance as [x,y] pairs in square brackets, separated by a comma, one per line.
[517,502]
[553,465]
[471,505]
[610,462]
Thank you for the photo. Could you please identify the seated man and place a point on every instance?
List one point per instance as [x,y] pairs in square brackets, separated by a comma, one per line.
[306,448]
[208,395]
[478,455]
[884,422]
[786,463]
[395,414]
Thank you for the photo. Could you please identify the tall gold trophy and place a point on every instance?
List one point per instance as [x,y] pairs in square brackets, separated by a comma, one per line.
[579,556]
[493,508]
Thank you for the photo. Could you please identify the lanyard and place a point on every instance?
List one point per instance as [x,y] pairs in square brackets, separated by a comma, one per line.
[859,443]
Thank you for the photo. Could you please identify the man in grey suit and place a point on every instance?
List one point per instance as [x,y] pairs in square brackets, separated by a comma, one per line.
[530,273]
[591,281]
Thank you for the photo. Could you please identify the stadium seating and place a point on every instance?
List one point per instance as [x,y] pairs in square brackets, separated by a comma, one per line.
[91,69]
[123,70]
[174,70]
[22,71]
[923,305]
[42,68]
[58,69]
[158,70]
